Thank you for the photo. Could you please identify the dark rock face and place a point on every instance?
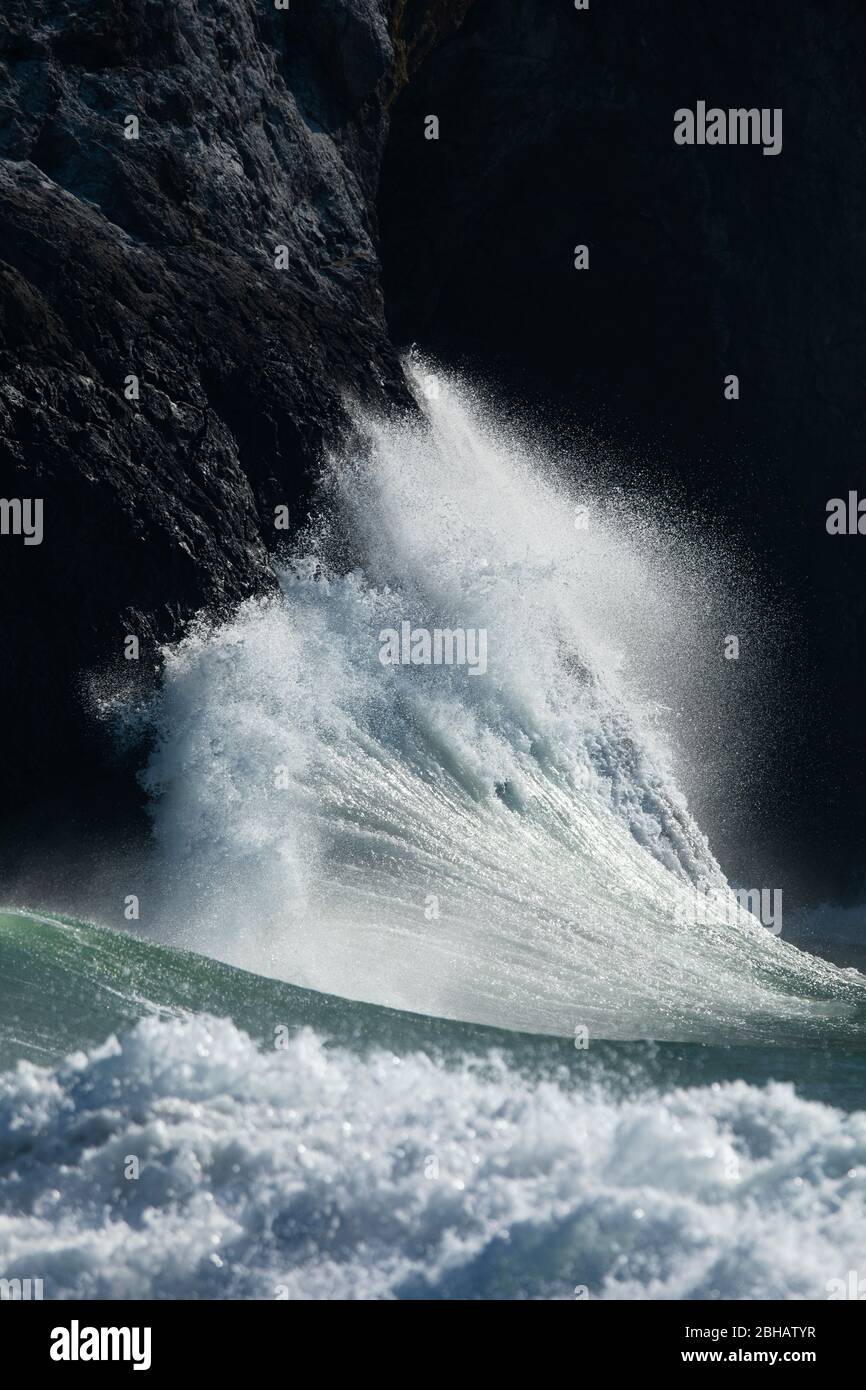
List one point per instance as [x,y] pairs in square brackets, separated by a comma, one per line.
[262,128]
[155,257]
[556,128]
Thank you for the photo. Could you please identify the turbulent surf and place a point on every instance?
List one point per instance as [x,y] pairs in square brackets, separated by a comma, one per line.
[416,1002]
[508,847]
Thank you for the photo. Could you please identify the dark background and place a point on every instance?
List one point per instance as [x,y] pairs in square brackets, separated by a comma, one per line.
[305,127]
[556,128]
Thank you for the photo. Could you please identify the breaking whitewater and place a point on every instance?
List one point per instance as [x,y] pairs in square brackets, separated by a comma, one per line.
[434,776]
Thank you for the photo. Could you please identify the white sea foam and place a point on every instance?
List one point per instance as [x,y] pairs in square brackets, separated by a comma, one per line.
[511,848]
[318,1173]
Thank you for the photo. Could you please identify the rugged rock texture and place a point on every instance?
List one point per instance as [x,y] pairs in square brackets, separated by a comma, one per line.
[262,127]
[155,256]
[556,128]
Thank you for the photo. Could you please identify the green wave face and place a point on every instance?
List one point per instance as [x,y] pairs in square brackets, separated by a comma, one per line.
[66,986]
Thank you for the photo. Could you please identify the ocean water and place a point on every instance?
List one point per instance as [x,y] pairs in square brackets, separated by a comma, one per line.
[374,1154]
[416,1004]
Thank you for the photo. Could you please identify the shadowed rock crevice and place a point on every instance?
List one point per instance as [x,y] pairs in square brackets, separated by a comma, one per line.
[155,257]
